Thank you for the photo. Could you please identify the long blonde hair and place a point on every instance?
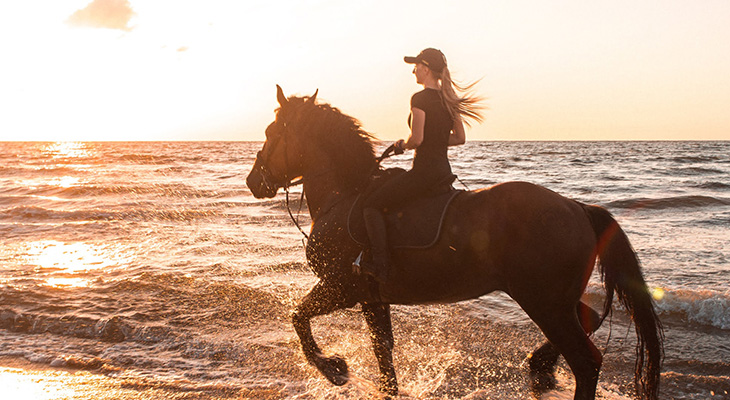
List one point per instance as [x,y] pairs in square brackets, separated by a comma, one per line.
[467,105]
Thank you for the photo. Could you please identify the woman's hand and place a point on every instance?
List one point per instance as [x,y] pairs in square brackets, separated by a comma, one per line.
[400,146]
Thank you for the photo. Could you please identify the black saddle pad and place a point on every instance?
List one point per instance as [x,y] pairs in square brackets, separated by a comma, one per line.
[416,225]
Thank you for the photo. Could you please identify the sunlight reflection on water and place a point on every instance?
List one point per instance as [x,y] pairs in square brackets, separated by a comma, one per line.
[66,282]
[69,257]
[73,264]
[64,181]
[20,384]
[67,150]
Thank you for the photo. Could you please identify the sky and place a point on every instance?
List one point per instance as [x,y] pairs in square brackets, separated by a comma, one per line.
[207,70]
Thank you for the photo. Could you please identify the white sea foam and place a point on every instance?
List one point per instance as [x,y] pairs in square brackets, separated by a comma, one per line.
[706,307]
[702,307]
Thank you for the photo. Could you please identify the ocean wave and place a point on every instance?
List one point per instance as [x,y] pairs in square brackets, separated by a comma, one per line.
[42,214]
[691,171]
[164,346]
[10,171]
[582,161]
[703,307]
[713,185]
[163,159]
[85,191]
[720,220]
[613,178]
[670,202]
[694,159]
[57,171]
[32,171]
[147,159]
[156,304]
[110,330]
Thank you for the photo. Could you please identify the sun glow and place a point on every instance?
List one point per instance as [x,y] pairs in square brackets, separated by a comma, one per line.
[164,70]
[77,264]
[84,82]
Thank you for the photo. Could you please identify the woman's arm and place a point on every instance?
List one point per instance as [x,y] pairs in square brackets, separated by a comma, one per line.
[458,135]
[418,121]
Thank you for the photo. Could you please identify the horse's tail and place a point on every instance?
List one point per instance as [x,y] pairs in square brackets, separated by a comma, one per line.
[621,274]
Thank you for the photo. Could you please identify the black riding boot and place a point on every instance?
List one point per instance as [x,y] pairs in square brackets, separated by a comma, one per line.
[375,225]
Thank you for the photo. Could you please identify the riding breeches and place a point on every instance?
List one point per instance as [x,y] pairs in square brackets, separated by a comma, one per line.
[404,188]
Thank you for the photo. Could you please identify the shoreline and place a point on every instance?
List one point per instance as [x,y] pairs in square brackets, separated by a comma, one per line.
[23,379]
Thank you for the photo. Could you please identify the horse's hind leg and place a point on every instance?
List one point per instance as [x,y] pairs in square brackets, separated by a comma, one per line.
[323,299]
[564,330]
[543,360]
[377,317]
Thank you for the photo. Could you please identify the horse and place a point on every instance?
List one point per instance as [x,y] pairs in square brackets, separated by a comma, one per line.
[516,237]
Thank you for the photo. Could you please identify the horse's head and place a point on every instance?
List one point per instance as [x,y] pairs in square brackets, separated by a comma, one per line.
[281,159]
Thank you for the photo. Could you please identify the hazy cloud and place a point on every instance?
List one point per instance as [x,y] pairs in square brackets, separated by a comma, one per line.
[110,14]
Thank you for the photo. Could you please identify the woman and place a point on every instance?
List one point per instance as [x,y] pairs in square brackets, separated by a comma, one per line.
[436,122]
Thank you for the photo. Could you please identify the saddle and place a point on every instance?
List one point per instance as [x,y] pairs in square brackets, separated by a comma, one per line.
[416,225]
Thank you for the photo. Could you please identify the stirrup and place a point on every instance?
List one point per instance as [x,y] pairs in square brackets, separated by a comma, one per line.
[372,286]
[356,265]
[377,272]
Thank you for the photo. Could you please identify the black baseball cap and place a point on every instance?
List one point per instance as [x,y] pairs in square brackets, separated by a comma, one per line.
[432,58]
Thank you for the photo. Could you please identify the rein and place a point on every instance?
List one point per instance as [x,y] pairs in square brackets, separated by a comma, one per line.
[288,184]
[288,207]
[389,152]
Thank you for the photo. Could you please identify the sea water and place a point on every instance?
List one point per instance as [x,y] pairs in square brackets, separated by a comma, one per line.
[153,263]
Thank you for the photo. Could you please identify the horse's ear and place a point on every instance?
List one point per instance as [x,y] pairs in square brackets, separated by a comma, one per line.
[313,98]
[280,96]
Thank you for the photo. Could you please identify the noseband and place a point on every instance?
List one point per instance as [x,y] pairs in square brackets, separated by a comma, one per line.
[267,175]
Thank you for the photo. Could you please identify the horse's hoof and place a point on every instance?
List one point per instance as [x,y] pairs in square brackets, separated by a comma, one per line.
[542,382]
[334,369]
[388,387]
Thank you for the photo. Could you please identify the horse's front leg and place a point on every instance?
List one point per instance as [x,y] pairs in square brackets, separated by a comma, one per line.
[377,317]
[323,299]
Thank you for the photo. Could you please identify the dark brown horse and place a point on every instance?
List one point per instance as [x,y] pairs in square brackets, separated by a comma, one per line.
[522,239]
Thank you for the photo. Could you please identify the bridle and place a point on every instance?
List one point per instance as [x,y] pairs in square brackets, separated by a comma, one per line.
[265,171]
[271,184]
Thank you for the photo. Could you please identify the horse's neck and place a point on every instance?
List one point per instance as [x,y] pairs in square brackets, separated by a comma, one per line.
[320,183]
[322,187]
[322,192]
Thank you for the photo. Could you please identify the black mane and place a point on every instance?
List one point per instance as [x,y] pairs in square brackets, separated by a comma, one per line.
[339,135]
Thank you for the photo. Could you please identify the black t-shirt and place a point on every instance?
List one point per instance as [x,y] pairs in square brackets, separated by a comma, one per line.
[432,154]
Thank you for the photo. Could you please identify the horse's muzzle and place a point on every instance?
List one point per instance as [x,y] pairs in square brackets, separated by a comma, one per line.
[260,186]
[261,183]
